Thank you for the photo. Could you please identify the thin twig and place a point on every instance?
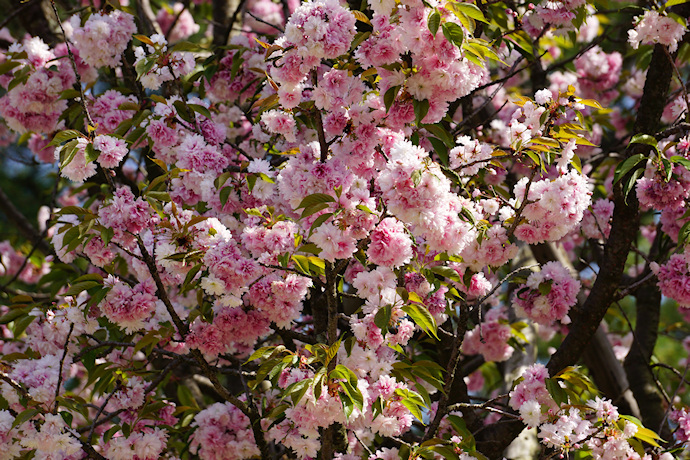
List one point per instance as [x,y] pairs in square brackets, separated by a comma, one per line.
[89,437]
[279,29]
[90,122]
[673,398]
[62,363]
[15,13]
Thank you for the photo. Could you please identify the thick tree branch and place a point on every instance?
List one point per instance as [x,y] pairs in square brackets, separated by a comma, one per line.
[624,225]
[642,381]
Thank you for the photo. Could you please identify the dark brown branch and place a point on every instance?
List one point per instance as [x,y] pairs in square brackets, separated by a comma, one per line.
[206,368]
[642,380]
[451,383]
[23,224]
[624,226]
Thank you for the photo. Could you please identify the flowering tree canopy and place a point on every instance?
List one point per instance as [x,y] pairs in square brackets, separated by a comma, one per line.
[365,230]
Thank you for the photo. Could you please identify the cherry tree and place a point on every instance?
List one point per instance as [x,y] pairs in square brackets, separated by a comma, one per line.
[376,230]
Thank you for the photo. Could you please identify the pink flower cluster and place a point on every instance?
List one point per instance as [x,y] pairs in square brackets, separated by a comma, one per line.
[126,214]
[531,397]
[35,104]
[674,279]
[129,307]
[112,150]
[52,439]
[223,433]
[573,430]
[9,435]
[106,113]
[555,207]
[558,14]
[418,193]
[598,72]
[12,260]
[681,417]
[167,65]
[470,155]
[548,295]
[654,28]
[78,169]
[493,250]
[672,220]
[148,444]
[280,298]
[595,224]
[228,85]
[490,338]
[655,192]
[179,15]
[390,246]
[103,37]
[321,28]
[233,330]
[40,376]
[229,272]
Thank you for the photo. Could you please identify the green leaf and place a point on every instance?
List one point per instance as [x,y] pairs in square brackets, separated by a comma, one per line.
[21,324]
[200,109]
[262,352]
[627,188]
[302,263]
[68,152]
[623,168]
[144,39]
[434,22]
[441,149]
[145,65]
[421,108]
[684,234]
[389,96]
[643,434]
[671,3]
[313,209]
[412,401]
[89,277]
[469,10]
[64,136]
[383,318]
[557,393]
[645,139]
[453,33]
[184,111]
[185,397]
[422,318]
[297,390]
[150,338]
[416,177]
[446,272]
[332,351]
[315,198]
[681,160]
[13,314]
[545,287]
[7,66]
[91,154]
[25,416]
[188,46]
[77,288]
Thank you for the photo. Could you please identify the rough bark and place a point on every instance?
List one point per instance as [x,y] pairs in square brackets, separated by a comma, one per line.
[624,228]
[624,225]
[642,381]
